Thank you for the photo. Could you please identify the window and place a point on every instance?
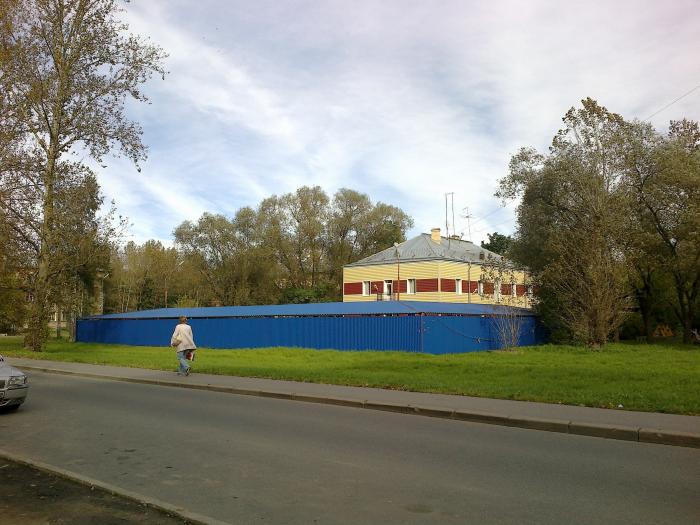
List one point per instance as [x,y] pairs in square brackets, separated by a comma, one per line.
[480,287]
[458,286]
[365,287]
[411,286]
[387,287]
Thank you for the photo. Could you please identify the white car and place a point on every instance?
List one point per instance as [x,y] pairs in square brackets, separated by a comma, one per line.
[13,386]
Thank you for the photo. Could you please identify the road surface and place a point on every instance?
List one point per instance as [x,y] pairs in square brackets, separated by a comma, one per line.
[243,459]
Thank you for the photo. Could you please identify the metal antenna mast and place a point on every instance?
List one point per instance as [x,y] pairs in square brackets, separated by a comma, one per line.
[454,226]
[447,227]
[468,216]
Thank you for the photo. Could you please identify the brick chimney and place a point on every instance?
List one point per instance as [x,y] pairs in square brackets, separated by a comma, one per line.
[435,235]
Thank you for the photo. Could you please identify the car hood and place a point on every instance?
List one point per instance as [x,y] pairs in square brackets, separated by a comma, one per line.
[6,370]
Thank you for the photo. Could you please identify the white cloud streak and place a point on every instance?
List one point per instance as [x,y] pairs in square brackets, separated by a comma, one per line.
[402,100]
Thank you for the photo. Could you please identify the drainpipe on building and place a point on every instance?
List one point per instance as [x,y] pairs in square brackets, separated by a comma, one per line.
[398,272]
[469,282]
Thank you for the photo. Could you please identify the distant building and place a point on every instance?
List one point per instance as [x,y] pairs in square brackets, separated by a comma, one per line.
[430,267]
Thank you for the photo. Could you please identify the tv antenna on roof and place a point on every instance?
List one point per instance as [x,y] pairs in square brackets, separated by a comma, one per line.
[468,216]
[447,224]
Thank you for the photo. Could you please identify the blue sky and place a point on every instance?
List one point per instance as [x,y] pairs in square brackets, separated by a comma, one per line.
[402,100]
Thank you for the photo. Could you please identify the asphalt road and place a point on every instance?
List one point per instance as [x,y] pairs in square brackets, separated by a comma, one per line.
[243,459]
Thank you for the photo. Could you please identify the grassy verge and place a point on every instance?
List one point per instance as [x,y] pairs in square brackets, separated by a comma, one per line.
[660,378]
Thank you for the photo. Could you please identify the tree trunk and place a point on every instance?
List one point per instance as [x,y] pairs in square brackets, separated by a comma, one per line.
[72,327]
[37,329]
[645,312]
[684,312]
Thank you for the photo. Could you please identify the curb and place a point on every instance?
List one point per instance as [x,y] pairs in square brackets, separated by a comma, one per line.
[172,510]
[619,432]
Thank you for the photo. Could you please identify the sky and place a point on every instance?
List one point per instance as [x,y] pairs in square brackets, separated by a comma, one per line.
[403,100]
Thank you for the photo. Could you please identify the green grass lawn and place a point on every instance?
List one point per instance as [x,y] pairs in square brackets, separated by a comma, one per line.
[660,378]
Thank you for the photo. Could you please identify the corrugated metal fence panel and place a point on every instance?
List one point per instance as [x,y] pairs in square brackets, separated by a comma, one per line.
[456,334]
[137,332]
[434,334]
[530,332]
[340,333]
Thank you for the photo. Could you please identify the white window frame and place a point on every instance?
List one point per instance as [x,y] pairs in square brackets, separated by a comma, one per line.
[458,286]
[411,286]
[388,286]
[366,288]
[513,289]
[480,287]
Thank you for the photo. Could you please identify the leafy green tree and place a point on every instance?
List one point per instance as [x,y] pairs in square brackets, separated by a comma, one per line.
[497,243]
[319,294]
[68,67]
[85,235]
[291,248]
[569,224]
[147,299]
[662,184]
[313,236]
[293,225]
[237,269]
[358,228]
[80,261]
[12,287]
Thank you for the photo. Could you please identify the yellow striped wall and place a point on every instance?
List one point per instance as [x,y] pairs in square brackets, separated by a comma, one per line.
[428,270]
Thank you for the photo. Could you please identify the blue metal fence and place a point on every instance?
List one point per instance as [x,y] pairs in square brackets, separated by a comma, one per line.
[434,328]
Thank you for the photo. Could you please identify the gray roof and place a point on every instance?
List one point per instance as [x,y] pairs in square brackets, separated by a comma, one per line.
[422,248]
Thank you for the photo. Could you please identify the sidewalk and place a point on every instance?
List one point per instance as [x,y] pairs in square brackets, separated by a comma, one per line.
[35,496]
[649,427]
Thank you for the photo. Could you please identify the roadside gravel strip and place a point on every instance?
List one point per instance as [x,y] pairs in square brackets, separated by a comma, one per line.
[650,431]
[182,514]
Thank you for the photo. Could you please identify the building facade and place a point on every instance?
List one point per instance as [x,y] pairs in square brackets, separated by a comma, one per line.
[433,268]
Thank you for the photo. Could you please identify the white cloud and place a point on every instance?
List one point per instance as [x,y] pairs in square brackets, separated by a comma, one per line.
[404,101]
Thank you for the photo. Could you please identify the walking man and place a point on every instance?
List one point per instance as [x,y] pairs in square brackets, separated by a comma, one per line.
[183,341]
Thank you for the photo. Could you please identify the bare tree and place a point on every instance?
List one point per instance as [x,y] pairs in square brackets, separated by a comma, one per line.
[507,318]
[508,323]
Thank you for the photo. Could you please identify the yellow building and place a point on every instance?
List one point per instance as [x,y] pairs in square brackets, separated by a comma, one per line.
[430,267]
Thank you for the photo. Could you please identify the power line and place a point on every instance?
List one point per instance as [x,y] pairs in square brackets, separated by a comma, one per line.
[672,103]
[495,225]
[478,220]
